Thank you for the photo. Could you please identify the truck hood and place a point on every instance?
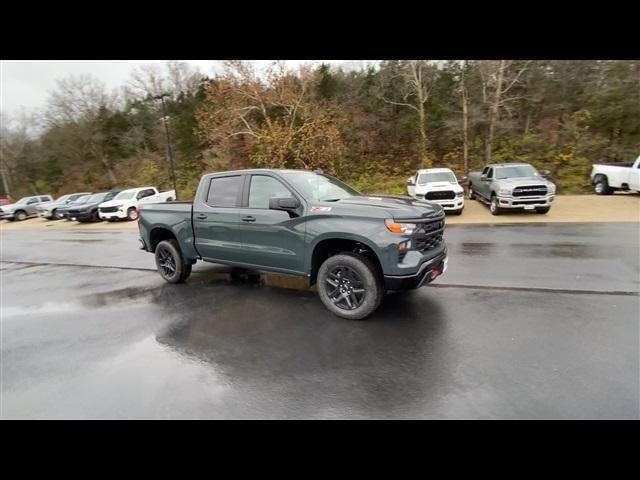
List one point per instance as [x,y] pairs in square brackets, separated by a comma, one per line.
[516,182]
[114,203]
[83,207]
[438,186]
[397,207]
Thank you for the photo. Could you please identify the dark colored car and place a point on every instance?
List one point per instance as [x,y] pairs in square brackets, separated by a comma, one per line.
[301,223]
[88,211]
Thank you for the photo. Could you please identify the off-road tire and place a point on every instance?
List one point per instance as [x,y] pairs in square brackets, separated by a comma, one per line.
[369,280]
[168,255]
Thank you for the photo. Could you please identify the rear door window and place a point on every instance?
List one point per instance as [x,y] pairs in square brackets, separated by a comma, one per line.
[224,191]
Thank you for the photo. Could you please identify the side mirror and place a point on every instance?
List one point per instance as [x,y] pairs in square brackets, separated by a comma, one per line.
[411,183]
[545,173]
[484,178]
[287,204]
[464,179]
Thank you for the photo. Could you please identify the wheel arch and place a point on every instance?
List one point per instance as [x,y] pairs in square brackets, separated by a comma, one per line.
[158,234]
[330,245]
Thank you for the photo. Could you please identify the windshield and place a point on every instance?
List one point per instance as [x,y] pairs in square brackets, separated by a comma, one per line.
[516,171]
[319,188]
[62,198]
[96,197]
[82,199]
[125,195]
[22,201]
[433,177]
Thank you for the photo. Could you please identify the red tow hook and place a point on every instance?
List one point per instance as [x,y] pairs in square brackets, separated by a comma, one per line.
[435,272]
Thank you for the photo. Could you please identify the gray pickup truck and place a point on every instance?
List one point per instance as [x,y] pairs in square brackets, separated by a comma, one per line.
[301,223]
[506,186]
[23,208]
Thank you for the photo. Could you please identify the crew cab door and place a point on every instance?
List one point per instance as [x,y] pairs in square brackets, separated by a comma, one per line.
[148,195]
[634,176]
[216,219]
[272,239]
[411,185]
[484,188]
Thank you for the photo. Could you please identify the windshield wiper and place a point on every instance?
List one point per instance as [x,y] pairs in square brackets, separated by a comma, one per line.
[332,200]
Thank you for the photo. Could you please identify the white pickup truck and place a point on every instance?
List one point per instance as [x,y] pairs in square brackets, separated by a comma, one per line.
[125,204]
[438,185]
[609,177]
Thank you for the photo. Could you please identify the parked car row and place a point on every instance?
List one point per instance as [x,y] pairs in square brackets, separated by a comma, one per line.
[502,186]
[86,206]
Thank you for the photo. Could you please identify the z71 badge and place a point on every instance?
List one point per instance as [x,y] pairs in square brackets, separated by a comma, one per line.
[320,209]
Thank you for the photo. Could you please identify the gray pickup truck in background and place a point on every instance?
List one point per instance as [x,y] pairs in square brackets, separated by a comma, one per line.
[23,208]
[301,223]
[505,186]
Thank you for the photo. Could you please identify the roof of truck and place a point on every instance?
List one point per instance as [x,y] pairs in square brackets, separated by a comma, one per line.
[434,170]
[512,164]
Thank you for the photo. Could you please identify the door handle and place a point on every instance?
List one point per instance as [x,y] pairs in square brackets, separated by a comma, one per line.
[201,216]
[248,218]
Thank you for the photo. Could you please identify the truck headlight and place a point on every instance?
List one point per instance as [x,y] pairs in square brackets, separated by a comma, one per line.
[403,228]
[552,189]
[460,194]
[504,191]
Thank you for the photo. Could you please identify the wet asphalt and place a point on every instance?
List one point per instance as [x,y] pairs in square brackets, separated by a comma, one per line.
[529,321]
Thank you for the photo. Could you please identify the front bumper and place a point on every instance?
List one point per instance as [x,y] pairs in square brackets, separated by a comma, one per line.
[6,215]
[526,203]
[108,215]
[428,271]
[448,205]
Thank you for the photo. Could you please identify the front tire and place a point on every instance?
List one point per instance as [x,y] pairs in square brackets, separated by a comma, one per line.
[170,262]
[20,215]
[543,210]
[132,213]
[350,286]
[493,207]
[471,193]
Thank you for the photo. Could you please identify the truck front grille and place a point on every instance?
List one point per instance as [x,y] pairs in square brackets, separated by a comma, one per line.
[108,209]
[530,191]
[440,195]
[428,235]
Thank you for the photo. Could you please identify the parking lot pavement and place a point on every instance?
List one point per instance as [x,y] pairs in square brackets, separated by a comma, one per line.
[529,322]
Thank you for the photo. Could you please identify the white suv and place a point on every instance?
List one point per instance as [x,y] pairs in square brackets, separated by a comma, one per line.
[438,185]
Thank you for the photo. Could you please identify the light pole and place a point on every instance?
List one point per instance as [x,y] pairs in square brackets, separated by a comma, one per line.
[166,132]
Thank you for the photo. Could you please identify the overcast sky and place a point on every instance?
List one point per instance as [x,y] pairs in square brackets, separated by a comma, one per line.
[27,83]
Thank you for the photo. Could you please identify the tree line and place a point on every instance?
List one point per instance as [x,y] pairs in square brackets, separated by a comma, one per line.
[371,126]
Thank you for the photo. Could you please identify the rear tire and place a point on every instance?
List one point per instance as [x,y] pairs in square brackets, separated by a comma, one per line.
[170,262]
[350,286]
[601,186]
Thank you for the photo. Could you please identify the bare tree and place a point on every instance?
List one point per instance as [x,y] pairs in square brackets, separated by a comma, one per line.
[174,78]
[418,80]
[497,78]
